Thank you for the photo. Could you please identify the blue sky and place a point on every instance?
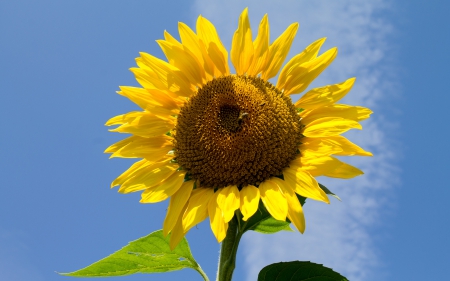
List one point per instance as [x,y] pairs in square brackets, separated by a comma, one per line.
[61,63]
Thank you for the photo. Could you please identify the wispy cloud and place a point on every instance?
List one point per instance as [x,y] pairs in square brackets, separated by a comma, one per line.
[341,235]
[14,265]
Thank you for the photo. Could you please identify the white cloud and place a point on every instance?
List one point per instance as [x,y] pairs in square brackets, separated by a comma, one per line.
[341,235]
[14,265]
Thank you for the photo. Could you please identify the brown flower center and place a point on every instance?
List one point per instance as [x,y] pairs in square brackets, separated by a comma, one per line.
[236,130]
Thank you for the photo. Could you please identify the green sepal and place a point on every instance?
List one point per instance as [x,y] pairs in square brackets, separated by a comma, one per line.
[148,254]
[301,199]
[327,191]
[271,225]
[263,222]
[299,271]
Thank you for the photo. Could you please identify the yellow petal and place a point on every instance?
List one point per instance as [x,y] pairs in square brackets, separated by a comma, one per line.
[184,61]
[140,147]
[302,75]
[316,166]
[134,116]
[163,190]
[176,234]
[139,96]
[242,45]
[211,70]
[162,113]
[145,125]
[191,41]
[120,144]
[327,166]
[228,201]
[278,51]
[347,147]
[273,199]
[344,171]
[170,76]
[326,95]
[218,225]
[173,82]
[261,48]
[177,204]
[169,38]
[295,210]
[142,152]
[329,126]
[147,99]
[355,113]
[124,118]
[128,173]
[146,77]
[197,209]
[317,147]
[149,77]
[216,51]
[249,201]
[149,176]
[304,184]
[157,93]
[308,54]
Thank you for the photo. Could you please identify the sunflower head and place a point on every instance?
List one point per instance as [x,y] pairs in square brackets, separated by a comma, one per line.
[216,143]
[229,132]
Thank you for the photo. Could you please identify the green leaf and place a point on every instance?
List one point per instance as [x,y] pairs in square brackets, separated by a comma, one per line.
[327,191]
[299,271]
[149,254]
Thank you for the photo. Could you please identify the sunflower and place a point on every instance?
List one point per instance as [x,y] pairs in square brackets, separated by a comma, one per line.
[215,142]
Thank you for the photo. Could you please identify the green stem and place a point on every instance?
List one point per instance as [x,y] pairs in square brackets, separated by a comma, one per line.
[228,250]
[202,273]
